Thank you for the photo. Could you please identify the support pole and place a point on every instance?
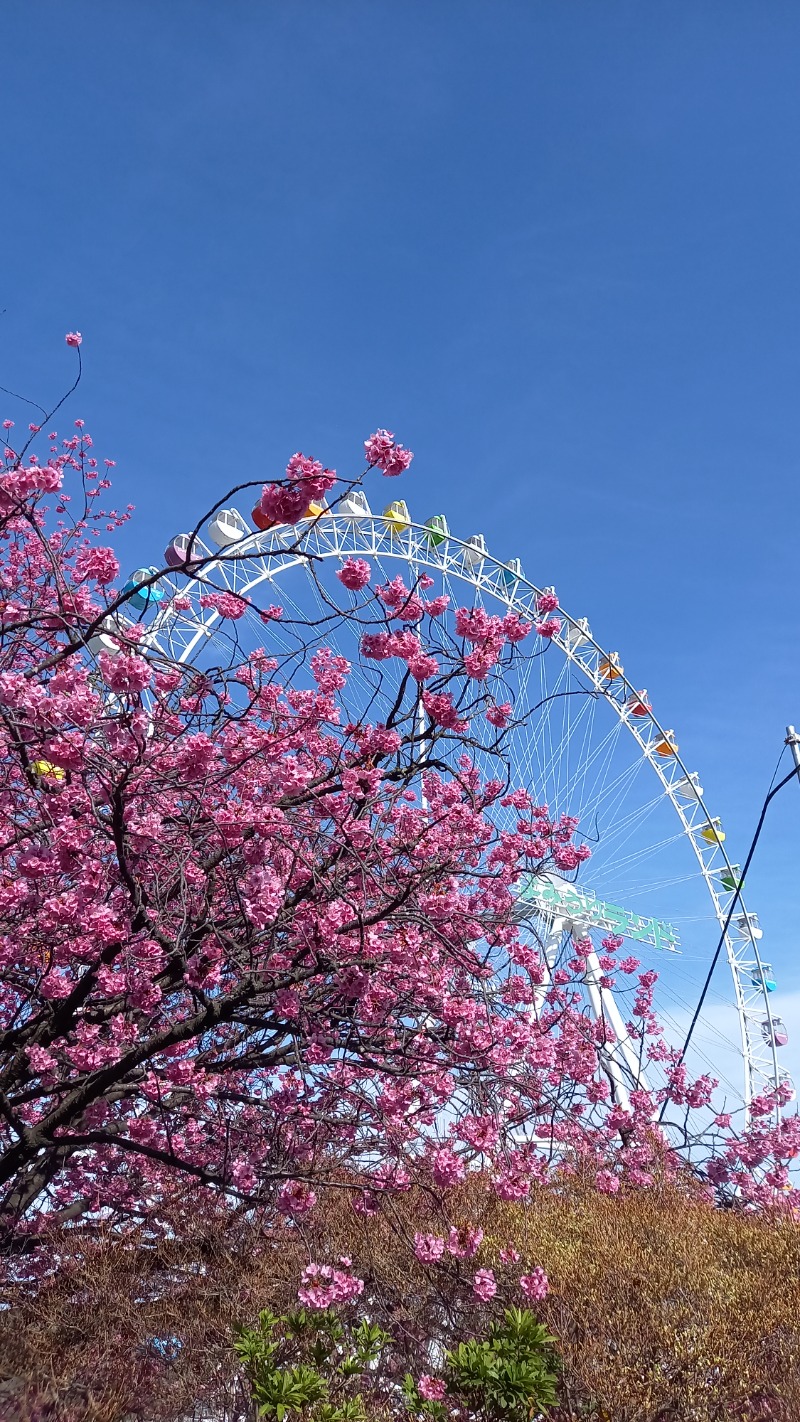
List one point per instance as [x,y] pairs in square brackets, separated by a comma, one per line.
[606,1008]
[550,948]
[793,742]
[608,1055]
[421,733]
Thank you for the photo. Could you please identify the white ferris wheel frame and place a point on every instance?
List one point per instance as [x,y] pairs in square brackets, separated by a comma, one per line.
[263,557]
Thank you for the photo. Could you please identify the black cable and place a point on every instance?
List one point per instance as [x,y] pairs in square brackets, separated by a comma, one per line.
[794,773]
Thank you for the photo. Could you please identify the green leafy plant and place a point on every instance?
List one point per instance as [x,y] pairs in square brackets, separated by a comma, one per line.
[509,1376]
[308,1364]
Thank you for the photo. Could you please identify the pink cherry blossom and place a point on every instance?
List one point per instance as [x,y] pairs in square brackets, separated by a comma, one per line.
[535,1285]
[329,672]
[546,602]
[422,666]
[226,604]
[398,461]
[484,1285]
[73,338]
[431,1389]
[550,627]
[428,1247]
[436,606]
[310,475]
[509,1254]
[323,1287]
[127,675]
[355,573]
[606,1182]
[306,482]
[446,1168]
[515,628]
[402,602]
[99,565]
[500,715]
[379,446]
[480,662]
[391,458]
[441,709]
[465,1243]
[296,1198]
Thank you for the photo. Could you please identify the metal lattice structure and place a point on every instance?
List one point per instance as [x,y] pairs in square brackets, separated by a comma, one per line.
[265,564]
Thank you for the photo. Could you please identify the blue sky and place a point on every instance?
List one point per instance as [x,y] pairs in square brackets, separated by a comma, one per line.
[553,245]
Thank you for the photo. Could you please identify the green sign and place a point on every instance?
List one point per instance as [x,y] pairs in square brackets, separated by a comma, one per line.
[551,893]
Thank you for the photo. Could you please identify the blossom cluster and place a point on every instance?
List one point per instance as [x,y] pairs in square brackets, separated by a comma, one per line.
[306,483]
[323,1286]
[382,451]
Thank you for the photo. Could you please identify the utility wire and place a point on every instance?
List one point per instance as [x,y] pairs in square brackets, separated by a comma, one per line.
[794,774]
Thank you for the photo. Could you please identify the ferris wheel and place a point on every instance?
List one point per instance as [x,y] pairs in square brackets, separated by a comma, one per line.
[585,740]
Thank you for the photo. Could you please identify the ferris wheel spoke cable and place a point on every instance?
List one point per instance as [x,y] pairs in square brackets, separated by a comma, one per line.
[634,819]
[711,1035]
[712,1038]
[596,767]
[598,760]
[594,761]
[629,861]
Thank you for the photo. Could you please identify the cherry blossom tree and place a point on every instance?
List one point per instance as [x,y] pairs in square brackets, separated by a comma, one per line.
[252,947]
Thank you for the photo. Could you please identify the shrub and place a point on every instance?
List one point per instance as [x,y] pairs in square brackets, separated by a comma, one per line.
[321,1367]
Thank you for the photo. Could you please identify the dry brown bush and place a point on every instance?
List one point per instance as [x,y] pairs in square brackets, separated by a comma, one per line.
[666,1310]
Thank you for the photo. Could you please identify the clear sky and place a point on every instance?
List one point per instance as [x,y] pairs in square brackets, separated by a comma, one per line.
[554,245]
